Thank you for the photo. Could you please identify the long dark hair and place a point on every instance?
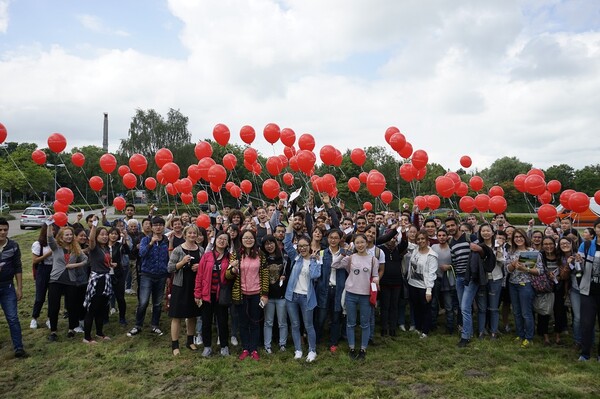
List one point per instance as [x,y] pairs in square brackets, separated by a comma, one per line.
[250,252]
[480,238]
[271,238]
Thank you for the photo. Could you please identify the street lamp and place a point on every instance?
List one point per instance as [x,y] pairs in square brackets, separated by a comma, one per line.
[55,166]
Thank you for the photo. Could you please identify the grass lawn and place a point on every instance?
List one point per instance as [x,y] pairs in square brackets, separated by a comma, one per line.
[403,367]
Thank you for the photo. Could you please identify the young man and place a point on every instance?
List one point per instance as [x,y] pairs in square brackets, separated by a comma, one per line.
[154,255]
[429,226]
[11,269]
[460,251]
[447,288]
[472,220]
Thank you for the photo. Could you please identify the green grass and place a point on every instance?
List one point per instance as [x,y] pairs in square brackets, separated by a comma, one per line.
[403,367]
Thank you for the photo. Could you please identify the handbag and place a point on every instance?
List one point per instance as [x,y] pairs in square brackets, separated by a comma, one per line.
[543,304]
[225,294]
[373,293]
[541,283]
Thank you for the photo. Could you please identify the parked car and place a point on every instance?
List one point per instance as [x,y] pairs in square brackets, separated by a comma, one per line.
[34,216]
[4,208]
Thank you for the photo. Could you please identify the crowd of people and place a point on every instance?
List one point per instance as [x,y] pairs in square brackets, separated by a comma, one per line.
[317,270]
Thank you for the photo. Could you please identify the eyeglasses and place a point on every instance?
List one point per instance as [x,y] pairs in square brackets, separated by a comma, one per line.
[565,243]
[222,239]
[248,238]
[519,238]
[302,246]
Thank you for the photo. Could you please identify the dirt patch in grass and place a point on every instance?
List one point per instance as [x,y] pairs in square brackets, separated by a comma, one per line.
[421,390]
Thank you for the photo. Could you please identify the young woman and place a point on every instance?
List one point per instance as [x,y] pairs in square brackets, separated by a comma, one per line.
[300,294]
[209,281]
[250,292]
[446,274]
[184,262]
[489,297]
[236,217]
[588,234]
[411,236]
[99,287]
[279,273]
[119,244]
[68,273]
[362,269]
[520,289]
[421,277]
[568,255]
[536,240]
[236,238]
[41,254]
[316,239]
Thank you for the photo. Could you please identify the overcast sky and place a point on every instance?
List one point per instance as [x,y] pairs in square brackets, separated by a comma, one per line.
[486,78]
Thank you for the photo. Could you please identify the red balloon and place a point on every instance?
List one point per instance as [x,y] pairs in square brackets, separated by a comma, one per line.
[284,160]
[204,165]
[160,177]
[39,157]
[271,133]
[202,150]
[406,151]
[171,172]
[282,195]
[353,184]
[496,190]
[538,172]
[328,154]
[150,183]
[171,189]
[306,142]
[421,173]
[389,132]
[228,186]
[65,195]
[294,164]
[3,133]
[419,159]
[420,202]
[194,172]
[306,160]
[289,152]
[60,218]
[96,183]
[554,186]
[519,182]
[564,197]
[163,157]
[329,183]
[462,189]
[375,183]
[217,175]
[122,170]
[408,172]
[246,186]
[229,161]
[186,198]
[77,159]
[185,185]
[444,186]
[497,204]
[288,179]
[482,202]
[236,192]
[363,177]
[203,221]
[545,198]
[274,166]
[250,155]
[215,188]
[138,164]
[476,183]
[465,161]
[397,141]
[367,206]
[579,202]
[597,197]
[108,163]
[466,204]
[288,137]
[433,202]
[119,203]
[358,156]
[547,213]
[60,207]
[256,168]
[271,188]
[57,142]
[535,184]
[454,177]
[247,134]
[201,196]
[221,134]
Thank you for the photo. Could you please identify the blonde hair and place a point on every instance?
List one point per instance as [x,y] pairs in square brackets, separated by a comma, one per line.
[73,246]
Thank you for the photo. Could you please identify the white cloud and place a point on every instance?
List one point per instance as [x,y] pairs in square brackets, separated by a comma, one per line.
[471,78]
[95,24]
[4,15]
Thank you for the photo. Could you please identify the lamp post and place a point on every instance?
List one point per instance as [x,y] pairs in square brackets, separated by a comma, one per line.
[55,166]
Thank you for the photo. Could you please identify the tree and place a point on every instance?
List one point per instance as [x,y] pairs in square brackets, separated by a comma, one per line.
[564,173]
[504,169]
[587,179]
[21,176]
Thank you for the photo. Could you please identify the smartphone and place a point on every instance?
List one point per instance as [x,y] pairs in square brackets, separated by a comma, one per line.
[261,304]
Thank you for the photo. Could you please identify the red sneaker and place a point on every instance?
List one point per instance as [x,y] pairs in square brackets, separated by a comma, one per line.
[255,355]
[333,348]
[244,355]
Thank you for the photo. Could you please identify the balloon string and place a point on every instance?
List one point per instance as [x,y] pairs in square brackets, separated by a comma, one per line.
[73,180]
[22,174]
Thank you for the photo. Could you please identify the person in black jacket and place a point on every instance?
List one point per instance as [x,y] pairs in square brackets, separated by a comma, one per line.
[391,285]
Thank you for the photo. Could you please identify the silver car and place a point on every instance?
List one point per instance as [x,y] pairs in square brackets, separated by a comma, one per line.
[34,216]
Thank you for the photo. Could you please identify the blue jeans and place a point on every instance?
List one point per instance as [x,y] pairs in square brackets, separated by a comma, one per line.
[249,313]
[488,299]
[354,303]
[8,301]
[279,306]
[466,308]
[42,279]
[451,305]
[575,297]
[294,307]
[521,297]
[154,286]
[460,289]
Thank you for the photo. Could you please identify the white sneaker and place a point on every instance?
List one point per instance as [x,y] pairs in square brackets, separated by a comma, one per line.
[297,355]
[234,341]
[412,328]
[113,311]
[423,336]
[129,291]
[78,330]
[225,351]
[33,325]
[311,357]
[48,323]
[198,340]
[402,328]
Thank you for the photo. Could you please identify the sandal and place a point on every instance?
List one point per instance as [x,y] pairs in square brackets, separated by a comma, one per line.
[190,343]
[176,352]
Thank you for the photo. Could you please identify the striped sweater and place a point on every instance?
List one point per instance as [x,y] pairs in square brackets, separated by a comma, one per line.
[236,290]
[460,250]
